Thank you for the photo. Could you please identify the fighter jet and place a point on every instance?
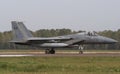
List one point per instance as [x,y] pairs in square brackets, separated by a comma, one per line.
[22,36]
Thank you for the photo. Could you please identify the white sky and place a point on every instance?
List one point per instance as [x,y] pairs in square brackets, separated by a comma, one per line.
[97,15]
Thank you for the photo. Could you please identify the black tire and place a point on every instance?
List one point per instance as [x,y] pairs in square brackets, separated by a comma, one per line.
[52,51]
[81,52]
[47,51]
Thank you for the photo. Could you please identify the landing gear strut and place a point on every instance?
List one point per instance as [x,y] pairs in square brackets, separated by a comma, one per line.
[50,51]
[81,49]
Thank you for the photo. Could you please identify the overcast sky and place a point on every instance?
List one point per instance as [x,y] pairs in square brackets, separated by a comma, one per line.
[97,15]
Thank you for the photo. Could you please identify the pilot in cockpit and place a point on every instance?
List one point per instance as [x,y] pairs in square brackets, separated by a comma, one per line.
[91,33]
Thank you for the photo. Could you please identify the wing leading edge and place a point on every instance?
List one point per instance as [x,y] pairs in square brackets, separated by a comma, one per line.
[50,39]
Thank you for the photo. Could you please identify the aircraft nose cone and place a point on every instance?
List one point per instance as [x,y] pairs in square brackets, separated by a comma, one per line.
[114,41]
[109,40]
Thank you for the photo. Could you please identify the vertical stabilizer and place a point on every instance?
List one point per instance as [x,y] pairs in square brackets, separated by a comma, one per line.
[20,32]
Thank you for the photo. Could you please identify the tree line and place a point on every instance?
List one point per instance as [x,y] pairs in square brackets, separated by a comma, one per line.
[6,36]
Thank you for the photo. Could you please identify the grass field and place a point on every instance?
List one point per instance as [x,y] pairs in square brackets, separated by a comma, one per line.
[60,65]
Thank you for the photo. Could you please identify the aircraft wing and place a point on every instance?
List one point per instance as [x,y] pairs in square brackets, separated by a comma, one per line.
[44,40]
[74,41]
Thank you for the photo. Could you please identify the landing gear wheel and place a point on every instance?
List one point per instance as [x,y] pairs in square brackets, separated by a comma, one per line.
[52,51]
[81,52]
[47,51]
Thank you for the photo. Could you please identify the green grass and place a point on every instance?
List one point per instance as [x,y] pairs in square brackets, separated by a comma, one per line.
[60,65]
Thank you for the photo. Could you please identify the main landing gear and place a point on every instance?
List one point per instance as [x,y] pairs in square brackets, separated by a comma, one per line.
[81,47]
[50,51]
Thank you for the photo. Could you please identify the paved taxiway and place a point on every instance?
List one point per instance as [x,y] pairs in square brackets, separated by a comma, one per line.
[39,54]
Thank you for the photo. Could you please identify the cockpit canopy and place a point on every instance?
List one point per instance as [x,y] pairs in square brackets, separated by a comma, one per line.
[92,33]
[89,33]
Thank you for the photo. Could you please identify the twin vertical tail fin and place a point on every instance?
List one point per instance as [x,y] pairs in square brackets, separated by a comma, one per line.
[20,32]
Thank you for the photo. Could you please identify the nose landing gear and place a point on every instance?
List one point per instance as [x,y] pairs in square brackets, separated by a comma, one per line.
[81,47]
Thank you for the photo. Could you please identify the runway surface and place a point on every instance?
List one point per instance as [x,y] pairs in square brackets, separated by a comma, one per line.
[41,54]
